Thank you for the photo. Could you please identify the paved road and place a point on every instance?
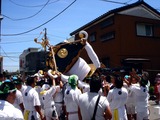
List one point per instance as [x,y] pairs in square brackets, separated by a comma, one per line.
[154,111]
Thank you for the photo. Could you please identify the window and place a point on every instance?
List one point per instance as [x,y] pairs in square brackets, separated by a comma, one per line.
[107,22]
[107,36]
[92,37]
[144,29]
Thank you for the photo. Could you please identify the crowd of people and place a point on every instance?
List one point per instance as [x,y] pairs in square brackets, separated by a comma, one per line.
[52,95]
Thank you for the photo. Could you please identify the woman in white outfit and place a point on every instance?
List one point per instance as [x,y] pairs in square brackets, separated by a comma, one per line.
[141,97]
[117,98]
[130,105]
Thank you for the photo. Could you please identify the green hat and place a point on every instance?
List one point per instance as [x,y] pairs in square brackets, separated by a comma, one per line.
[7,87]
[73,79]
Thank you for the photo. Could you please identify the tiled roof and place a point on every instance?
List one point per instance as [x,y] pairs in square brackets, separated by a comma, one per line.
[116,11]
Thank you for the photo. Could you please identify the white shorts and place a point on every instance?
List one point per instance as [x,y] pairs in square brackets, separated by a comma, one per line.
[31,115]
[142,116]
[58,108]
[50,113]
[130,109]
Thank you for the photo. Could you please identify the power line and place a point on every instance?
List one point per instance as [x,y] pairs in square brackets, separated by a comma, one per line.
[28,40]
[32,5]
[29,35]
[16,34]
[124,3]
[8,56]
[29,16]
[13,52]
[16,42]
[12,56]
[129,1]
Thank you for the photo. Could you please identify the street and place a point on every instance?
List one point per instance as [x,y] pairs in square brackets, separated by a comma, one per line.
[154,111]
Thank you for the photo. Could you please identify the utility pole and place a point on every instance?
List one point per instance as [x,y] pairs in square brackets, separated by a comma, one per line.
[45,40]
[0,23]
[45,33]
[1,58]
[1,17]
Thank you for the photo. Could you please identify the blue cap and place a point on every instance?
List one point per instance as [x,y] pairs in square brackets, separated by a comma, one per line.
[7,80]
[126,76]
[14,78]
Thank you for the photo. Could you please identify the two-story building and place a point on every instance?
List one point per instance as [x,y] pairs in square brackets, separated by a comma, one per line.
[126,36]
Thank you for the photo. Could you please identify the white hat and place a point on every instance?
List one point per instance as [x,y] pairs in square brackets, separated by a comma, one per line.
[45,87]
[36,75]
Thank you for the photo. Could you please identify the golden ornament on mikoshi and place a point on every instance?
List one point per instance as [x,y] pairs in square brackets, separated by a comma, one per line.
[62,53]
[81,35]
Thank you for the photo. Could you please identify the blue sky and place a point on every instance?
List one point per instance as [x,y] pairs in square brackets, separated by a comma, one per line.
[21,16]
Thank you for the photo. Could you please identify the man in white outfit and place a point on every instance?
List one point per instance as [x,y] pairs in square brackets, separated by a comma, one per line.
[58,99]
[19,98]
[47,98]
[7,98]
[71,98]
[87,102]
[31,101]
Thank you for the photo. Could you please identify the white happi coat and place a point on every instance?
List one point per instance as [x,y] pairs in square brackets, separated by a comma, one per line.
[117,102]
[18,100]
[49,105]
[130,105]
[71,102]
[9,112]
[141,98]
[30,100]
[58,99]
[87,102]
